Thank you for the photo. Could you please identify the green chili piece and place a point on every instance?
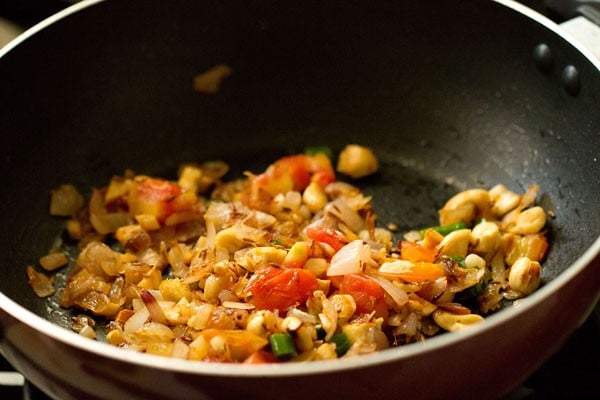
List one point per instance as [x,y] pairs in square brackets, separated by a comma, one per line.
[312,150]
[459,260]
[342,343]
[445,229]
[282,345]
[277,242]
[478,288]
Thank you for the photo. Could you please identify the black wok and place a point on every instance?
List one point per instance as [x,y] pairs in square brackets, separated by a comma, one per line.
[450,95]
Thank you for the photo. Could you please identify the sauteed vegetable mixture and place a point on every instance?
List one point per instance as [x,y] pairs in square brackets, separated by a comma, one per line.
[286,265]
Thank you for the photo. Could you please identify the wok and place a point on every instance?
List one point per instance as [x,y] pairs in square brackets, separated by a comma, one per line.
[450,95]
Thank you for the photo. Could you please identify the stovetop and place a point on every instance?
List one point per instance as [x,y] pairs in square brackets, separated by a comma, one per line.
[571,373]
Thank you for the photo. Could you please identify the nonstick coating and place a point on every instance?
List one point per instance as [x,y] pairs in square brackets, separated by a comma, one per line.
[449,96]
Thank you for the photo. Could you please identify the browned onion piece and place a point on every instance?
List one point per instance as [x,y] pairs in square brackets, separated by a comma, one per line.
[42,285]
[156,313]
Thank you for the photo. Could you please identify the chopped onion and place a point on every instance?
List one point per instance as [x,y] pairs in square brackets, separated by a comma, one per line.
[350,259]
[226,295]
[98,258]
[106,222]
[152,332]
[302,315]
[396,267]
[137,304]
[156,293]
[80,321]
[398,295]
[528,198]
[431,291]
[408,325]
[176,258]
[264,220]
[412,236]
[42,285]
[209,81]
[347,215]
[180,349]
[54,260]
[136,321]
[218,213]
[65,201]
[238,305]
[88,332]
[291,200]
[155,312]
[328,315]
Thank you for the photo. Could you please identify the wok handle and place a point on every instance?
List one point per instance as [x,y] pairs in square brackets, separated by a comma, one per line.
[568,9]
[585,27]
[581,20]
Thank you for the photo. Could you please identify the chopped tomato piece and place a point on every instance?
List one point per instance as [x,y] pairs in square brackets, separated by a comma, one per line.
[333,238]
[322,170]
[294,173]
[298,167]
[275,288]
[367,294]
[415,252]
[156,190]
[154,197]
[260,357]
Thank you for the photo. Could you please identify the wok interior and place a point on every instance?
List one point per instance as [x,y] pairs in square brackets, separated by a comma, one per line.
[447,103]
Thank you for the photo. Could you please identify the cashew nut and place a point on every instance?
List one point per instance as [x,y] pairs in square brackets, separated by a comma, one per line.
[357,161]
[525,275]
[344,304]
[503,200]
[456,243]
[455,322]
[487,237]
[465,206]
[529,221]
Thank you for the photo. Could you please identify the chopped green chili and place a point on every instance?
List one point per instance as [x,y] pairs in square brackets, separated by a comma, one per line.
[445,229]
[311,151]
[459,260]
[277,242]
[282,345]
[478,288]
[342,343]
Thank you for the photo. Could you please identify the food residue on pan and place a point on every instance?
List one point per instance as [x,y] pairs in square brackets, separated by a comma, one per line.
[209,81]
[288,264]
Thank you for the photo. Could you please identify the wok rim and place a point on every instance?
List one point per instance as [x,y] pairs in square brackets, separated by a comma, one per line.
[513,4]
[405,352]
